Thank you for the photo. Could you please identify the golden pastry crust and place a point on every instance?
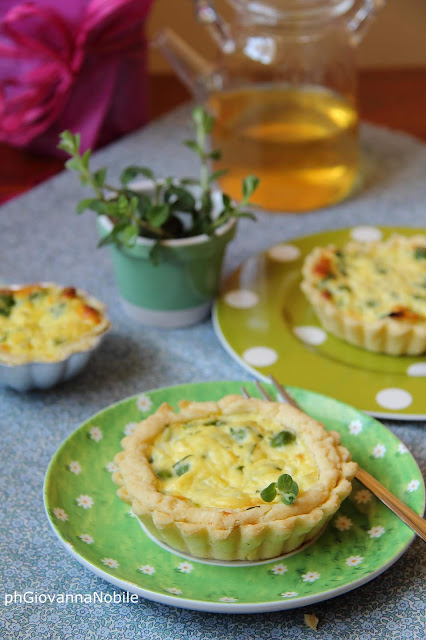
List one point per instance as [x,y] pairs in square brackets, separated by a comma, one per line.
[45,322]
[257,532]
[372,295]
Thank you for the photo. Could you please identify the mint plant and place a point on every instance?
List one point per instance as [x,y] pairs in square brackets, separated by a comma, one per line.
[171,210]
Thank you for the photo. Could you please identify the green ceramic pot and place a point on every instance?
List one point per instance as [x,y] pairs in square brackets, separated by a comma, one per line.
[178,291]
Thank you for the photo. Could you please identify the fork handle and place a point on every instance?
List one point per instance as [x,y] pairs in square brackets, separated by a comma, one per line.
[407,515]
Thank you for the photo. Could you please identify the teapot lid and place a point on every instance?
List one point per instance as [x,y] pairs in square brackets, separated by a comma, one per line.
[273,10]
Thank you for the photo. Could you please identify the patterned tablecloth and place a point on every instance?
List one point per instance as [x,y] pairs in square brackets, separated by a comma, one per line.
[43,239]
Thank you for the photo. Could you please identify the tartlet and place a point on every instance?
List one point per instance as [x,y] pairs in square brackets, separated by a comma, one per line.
[194,478]
[47,333]
[373,294]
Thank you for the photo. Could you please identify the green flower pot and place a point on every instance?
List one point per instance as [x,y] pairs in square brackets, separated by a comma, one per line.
[178,291]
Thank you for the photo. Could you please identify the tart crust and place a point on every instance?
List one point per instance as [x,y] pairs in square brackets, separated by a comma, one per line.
[390,335]
[85,342]
[267,531]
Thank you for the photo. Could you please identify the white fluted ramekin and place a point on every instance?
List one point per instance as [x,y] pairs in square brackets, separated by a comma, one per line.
[29,374]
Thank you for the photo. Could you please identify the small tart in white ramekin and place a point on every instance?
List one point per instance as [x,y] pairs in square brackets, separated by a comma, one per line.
[47,333]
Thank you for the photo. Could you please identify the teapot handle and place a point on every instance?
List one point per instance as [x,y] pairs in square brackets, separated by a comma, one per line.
[359,20]
[207,15]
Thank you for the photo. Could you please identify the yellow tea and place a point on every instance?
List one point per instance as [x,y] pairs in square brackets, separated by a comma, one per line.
[301,142]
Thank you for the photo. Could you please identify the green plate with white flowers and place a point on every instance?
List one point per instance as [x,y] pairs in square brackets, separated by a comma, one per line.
[362,540]
[264,321]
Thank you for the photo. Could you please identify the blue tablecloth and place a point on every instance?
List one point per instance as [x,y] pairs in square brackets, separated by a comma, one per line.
[43,239]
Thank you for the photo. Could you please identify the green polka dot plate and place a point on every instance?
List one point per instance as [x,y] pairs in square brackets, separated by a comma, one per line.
[362,540]
[264,321]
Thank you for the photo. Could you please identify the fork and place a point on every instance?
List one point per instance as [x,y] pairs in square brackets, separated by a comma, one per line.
[407,515]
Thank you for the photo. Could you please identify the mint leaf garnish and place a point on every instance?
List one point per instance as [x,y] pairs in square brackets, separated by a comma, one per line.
[269,493]
[285,486]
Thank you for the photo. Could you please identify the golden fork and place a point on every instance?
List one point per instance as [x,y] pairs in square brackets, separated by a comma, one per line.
[407,515]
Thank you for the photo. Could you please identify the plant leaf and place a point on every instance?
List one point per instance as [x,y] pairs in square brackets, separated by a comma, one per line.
[113,235]
[99,177]
[158,214]
[245,214]
[130,173]
[122,204]
[74,164]
[217,174]
[190,181]
[99,206]
[269,493]
[203,119]
[216,154]
[250,184]
[194,146]
[155,253]
[111,209]
[287,484]
[133,204]
[144,203]
[84,204]
[180,199]
[227,202]
[128,235]
[69,142]
[223,217]
[85,159]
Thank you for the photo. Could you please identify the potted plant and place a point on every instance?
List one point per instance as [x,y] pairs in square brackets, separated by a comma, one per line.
[167,236]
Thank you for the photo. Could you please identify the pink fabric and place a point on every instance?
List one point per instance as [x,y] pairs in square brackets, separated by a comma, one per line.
[71,64]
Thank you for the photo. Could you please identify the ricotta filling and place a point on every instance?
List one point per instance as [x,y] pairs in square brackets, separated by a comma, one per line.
[375,281]
[226,461]
[37,321]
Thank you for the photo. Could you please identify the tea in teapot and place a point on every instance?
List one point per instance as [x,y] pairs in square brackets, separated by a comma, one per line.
[301,142]
[283,95]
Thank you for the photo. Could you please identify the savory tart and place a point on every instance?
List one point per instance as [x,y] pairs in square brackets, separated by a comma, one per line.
[371,294]
[47,323]
[233,480]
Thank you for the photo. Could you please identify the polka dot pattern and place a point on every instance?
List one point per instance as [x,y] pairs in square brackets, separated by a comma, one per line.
[366,234]
[260,356]
[241,298]
[394,398]
[284,252]
[281,318]
[417,370]
[310,335]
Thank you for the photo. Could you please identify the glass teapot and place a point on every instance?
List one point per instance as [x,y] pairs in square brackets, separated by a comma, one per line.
[283,93]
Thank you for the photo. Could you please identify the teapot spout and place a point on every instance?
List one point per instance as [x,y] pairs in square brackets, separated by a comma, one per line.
[188,64]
